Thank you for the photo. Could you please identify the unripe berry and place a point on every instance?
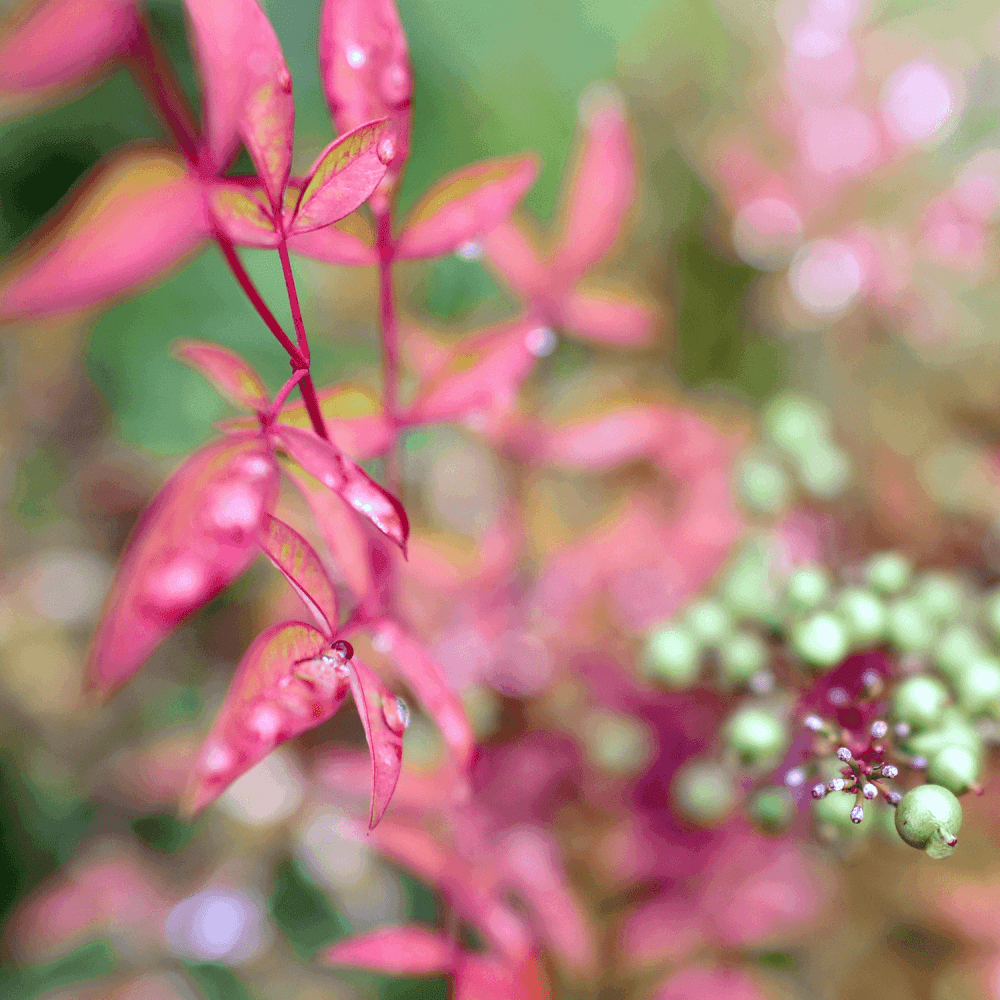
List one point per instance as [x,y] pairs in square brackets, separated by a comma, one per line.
[703,792]
[953,730]
[909,628]
[825,471]
[746,587]
[757,735]
[957,647]
[762,484]
[772,809]
[955,768]
[807,588]
[978,686]
[742,656]
[863,612]
[920,701]
[672,656]
[929,817]
[796,424]
[709,621]
[821,640]
[940,595]
[888,572]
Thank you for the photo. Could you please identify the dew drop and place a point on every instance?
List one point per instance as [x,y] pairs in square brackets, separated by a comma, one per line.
[396,713]
[343,649]
[285,80]
[356,56]
[386,149]
[395,84]
[469,250]
[541,342]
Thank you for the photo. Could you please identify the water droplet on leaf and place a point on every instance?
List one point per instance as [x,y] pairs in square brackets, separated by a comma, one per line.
[396,713]
[356,56]
[541,342]
[386,149]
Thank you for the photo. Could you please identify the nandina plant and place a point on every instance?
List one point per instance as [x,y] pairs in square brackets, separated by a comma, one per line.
[811,703]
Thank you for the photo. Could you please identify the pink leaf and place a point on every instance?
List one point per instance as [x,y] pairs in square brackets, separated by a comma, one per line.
[425,679]
[338,473]
[228,373]
[601,191]
[414,950]
[485,372]
[604,318]
[343,177]
[365,69]
[297,559]
[137,214]
[247,89]
[482,977]
[708,984]
[465,204]
[59,41]
[608,440]
[194,539]
[513,254]
[349,242]
[239,210]
[289,681]
[384,718]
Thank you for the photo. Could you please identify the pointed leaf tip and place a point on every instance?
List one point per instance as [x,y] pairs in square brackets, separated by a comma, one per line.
[229,374]
[413,950]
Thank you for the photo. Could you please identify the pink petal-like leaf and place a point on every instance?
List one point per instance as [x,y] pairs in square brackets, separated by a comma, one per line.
[59,41]
[384,718]
[297,559]
[601,191]
[465,204]
[228,373]
[350,242]
[338,473]
[485,372]
[365,69]
[413,950]
[288,682]
[604,318]
[137,214]
[343,177]
[194,539]
[482,977]
[242,214]
[512,252]
[425,679]
[246,87]
[604,441]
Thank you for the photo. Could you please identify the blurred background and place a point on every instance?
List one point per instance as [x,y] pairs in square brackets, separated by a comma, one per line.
[819,184]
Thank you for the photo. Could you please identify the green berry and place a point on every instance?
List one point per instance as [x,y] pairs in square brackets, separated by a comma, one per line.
[796,424]
[825,472]
[772,809]
[953,730]
[958,646]
[978,686]
[703,792]
[762,484]
[741,656]
[821,640]
[746,588]
[920,701]
[955,768]
[673,656]
[710,621]
[888,572]
[863,611]
[807,588]
[940,595]
[929,817]
[910,629]
[757,735]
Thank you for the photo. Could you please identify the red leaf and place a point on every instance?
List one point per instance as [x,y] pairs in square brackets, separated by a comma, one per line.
[338,473]
[138,213]
[514,255]
[482,977]
[350,242]
[247,89]
[194,539]
[605,318]
[343,177]
[287,683]
[610,439]
[484,372]
[384,718]
[601,191]
[465,204]
[365,68]
[59,41]
[228,373]
[413,950]
[297,559]
[425,679]
[239,210]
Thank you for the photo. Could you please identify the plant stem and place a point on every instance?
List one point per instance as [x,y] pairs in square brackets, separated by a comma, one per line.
[390,347]
[279,400]
[293,300]
[155,75]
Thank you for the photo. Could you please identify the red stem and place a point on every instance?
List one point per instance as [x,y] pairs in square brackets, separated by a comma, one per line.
[293,300]
[279,400]
[390,347]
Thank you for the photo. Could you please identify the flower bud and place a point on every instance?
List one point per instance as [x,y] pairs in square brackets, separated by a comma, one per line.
[958,646]
[844,754]
[796,424]
[929,817]
[889,770]
[818,791]
[870,792]
[879,729]
[857,813]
